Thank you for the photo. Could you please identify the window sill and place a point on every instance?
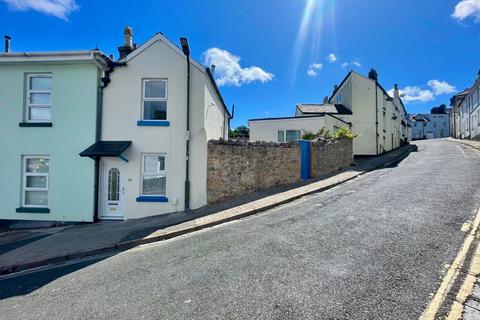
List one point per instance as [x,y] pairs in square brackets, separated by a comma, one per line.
[152,199]
[153,123]
[36,124]
[32,210]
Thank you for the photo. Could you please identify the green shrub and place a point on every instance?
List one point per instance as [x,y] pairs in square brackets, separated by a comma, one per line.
[308,135]
[344,133]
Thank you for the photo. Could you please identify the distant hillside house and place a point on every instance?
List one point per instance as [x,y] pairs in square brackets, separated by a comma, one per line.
[429,126]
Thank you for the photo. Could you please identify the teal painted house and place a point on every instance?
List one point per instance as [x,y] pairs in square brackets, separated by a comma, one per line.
[49,102]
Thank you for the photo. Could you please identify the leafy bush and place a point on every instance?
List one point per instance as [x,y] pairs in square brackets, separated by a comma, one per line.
[345,133]
[308,135]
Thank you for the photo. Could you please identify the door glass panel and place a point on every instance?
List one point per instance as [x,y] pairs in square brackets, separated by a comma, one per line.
[40,98]
[36,198]
[38,165]
[113,184]
[41,83]
[36,181]
[40,113]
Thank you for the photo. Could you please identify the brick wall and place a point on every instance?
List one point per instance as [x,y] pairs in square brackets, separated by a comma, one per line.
[239,167]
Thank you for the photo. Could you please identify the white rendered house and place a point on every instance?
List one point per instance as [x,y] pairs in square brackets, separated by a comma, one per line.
[159,106]
[359,103]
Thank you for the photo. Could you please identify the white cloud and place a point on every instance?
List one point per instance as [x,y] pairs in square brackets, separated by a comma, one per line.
[229,71]
[355,63]
[57,8]
[314,68]
[467,8]
[332,58]
[414,94]
[441,87]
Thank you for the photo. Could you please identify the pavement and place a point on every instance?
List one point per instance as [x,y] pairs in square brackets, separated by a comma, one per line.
[372,248]
[470,302]
[27,249]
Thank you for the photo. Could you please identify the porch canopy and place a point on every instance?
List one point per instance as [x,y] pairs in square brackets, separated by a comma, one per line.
[106,149]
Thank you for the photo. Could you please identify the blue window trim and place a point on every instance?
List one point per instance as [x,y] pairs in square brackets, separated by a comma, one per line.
[153,123]
[32,210]
[152,199]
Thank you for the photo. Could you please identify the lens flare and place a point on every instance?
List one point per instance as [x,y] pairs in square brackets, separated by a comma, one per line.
[310,32]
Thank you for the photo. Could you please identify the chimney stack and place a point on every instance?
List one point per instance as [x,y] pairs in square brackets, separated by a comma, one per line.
[396,93]
[373,74]
[127,43]
[212,68]
[335,87]
[7,43]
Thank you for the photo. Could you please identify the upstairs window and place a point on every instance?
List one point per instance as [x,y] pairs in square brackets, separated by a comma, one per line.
[154,99]
[39,98]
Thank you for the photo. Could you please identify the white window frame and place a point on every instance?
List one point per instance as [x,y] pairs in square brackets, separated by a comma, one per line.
[299,136]
[162,174]
[26,174]
[29,91]
[144,81]
[283,132]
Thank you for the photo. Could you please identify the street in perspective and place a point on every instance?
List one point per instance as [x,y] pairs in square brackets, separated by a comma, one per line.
[240,160]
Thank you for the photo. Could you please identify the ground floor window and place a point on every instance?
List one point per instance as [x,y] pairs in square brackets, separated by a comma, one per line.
[293,135]
[36,170]
[154,175]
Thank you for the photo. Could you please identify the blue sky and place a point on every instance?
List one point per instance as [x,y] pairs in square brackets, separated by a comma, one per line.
[272,54]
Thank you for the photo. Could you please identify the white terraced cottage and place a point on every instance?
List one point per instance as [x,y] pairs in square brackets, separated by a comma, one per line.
[160,108]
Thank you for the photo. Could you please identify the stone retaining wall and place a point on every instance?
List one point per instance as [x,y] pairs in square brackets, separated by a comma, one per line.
[330,157]
[239,167]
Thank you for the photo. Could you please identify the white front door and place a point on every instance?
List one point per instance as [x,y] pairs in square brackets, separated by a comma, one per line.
[112,191]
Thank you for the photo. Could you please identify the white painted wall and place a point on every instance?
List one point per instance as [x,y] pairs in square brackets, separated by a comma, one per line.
[267,129]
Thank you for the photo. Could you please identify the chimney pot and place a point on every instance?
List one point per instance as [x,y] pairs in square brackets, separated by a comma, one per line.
[127,43]
[7,43]
[128,37]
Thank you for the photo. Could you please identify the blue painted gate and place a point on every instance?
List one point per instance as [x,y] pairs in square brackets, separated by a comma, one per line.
[304,159]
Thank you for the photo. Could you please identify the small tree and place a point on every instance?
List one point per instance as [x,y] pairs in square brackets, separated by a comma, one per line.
[241,132]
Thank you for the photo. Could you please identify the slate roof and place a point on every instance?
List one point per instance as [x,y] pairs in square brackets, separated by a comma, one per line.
[106,149]
[323,108]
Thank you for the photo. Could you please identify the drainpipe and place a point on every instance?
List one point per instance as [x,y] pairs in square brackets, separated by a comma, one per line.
[186,51]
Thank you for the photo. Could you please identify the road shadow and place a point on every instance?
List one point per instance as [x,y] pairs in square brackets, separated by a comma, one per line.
[27,283]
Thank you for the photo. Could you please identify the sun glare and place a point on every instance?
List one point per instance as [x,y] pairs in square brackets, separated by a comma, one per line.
[310,31]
